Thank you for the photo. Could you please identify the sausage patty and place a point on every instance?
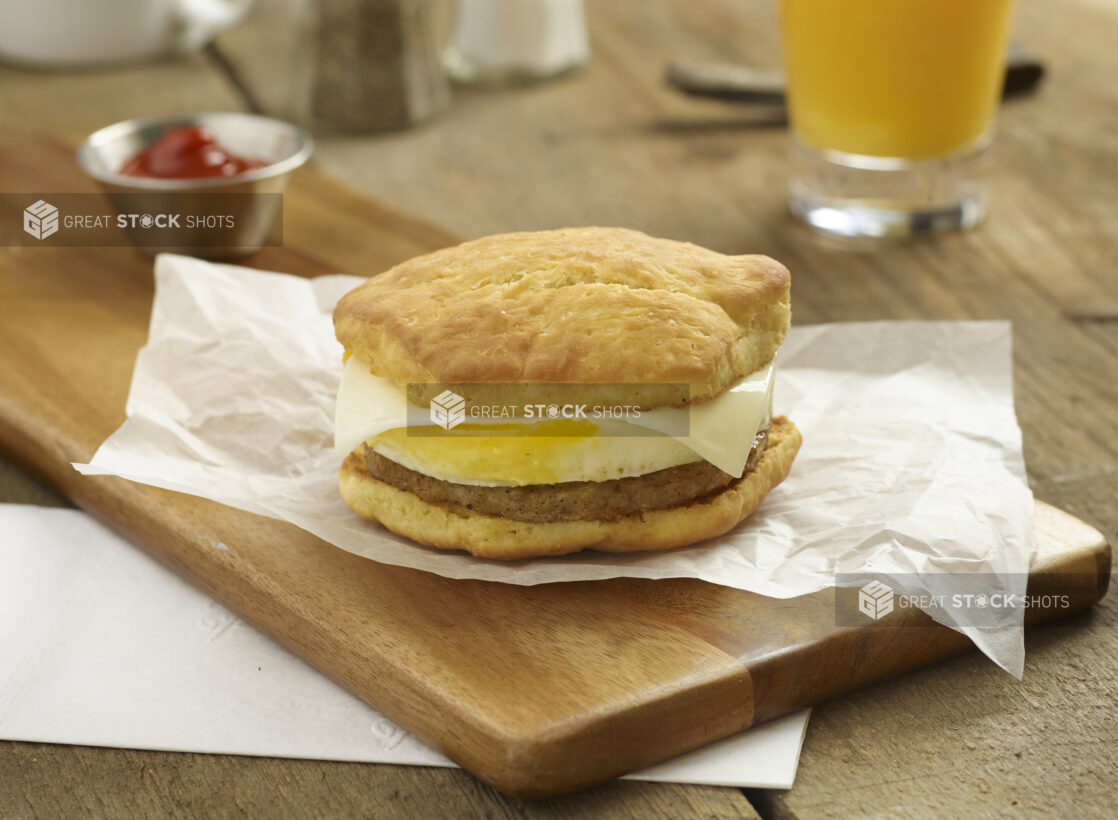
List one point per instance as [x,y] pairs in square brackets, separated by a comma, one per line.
[570,501]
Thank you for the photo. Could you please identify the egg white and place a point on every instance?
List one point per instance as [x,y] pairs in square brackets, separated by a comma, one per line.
[525,460]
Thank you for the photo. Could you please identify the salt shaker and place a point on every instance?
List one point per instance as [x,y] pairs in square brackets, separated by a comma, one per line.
[513,41]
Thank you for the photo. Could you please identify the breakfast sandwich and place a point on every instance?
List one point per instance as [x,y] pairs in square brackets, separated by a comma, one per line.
[541,393]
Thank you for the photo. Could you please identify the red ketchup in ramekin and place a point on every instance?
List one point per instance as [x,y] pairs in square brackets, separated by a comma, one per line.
[187,153]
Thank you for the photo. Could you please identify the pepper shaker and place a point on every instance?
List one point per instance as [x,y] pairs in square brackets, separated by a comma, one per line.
[375,65]
[341,65]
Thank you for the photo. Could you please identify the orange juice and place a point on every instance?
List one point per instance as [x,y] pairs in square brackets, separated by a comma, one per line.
[894,78]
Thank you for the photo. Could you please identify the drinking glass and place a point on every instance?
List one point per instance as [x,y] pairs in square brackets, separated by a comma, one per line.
[892,105]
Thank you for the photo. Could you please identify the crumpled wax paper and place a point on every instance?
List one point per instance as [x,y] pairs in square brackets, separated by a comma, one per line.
[911,461]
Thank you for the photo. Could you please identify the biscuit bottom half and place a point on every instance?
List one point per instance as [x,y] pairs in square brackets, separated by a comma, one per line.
[452,526]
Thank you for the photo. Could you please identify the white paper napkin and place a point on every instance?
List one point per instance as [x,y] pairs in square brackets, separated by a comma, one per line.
[102,646]
[911,461]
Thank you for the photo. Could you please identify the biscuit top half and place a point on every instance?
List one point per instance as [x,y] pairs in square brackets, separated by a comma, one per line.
[579,305]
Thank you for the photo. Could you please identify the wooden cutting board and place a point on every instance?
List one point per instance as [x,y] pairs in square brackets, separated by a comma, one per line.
[536,690]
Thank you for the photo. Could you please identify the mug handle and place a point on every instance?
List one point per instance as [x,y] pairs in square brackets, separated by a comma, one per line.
[202,19]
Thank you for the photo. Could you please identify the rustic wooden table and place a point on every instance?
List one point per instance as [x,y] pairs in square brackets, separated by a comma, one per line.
[611,145]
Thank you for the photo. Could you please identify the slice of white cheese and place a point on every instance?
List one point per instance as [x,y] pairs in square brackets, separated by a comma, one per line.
[721,431]
[367,406]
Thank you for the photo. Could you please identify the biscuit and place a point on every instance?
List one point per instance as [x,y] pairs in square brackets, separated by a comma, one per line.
[606,306]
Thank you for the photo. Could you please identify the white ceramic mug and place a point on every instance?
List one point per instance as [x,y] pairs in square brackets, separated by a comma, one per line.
[80,33]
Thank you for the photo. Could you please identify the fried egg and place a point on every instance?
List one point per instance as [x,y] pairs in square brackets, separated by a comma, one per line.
[550,452]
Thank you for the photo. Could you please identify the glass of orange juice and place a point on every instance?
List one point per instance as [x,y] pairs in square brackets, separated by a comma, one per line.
[892,105]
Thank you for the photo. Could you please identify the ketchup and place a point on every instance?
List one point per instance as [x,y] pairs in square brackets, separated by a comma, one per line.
[187,153]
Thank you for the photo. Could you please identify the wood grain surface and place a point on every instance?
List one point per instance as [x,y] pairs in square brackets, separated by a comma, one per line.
[610,145]
[536,690]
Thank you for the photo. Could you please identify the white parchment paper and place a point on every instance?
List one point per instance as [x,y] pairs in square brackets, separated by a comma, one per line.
[911,462]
